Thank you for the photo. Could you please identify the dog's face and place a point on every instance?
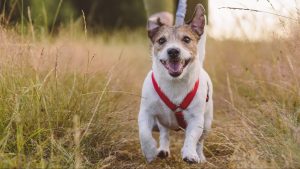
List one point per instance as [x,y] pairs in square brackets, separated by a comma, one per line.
[175,48]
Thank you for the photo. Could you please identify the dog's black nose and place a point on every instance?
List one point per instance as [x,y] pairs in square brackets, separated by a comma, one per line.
[173,52]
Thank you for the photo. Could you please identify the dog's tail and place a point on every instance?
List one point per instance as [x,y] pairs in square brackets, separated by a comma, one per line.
[180,13]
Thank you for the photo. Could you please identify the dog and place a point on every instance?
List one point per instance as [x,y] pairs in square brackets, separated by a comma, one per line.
[177,92]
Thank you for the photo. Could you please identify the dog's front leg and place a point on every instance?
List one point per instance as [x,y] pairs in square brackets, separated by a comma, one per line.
[148,143]
[193,133]
[163,150]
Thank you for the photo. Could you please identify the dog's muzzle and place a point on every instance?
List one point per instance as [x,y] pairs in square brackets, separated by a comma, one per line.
[175,64]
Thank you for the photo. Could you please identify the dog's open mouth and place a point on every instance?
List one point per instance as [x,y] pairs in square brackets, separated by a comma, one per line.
[175,66]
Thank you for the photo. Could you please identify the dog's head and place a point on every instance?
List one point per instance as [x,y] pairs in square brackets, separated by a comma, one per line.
[174,48]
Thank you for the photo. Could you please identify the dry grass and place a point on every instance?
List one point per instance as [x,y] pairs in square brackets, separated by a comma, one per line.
[72,101]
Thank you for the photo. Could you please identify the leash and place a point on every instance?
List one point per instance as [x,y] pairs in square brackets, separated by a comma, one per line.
[180,13]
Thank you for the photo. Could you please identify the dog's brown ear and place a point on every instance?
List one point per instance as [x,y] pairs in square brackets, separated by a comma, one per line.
[198,20]
[156,21]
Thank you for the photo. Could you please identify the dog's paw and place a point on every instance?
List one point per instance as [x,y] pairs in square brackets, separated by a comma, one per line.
[163,153]
[150,154]
[149,148]
[190,157]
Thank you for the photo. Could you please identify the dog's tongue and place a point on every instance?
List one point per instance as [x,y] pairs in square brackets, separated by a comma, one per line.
[175,67]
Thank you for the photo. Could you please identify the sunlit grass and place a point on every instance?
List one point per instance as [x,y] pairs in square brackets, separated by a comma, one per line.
[72,101]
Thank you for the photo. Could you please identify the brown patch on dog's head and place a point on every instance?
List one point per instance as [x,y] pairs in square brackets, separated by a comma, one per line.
[163,35]
[156,21]
[188,38]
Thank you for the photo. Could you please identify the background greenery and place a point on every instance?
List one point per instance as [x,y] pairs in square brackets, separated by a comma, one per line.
[100,14]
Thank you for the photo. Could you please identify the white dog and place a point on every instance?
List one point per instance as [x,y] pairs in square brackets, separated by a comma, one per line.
[177,93]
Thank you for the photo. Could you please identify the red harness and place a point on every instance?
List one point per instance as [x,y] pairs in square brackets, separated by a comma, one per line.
[177,109]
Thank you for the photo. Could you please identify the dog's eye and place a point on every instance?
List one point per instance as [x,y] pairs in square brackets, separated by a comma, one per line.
[162,40]
[186,39]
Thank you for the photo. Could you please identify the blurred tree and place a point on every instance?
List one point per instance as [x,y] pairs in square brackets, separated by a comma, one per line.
[44,13]
[103,14]
[154,6]
[49,14]
[112,13]
[10,11]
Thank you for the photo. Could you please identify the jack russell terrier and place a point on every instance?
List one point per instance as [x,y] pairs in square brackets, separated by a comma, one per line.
[177,93]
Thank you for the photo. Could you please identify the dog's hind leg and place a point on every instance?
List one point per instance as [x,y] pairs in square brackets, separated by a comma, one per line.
[208,117]
[163,151]
[200,143]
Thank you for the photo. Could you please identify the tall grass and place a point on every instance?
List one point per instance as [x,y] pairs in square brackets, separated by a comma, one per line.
[259,97]
[72,101]
[50,118]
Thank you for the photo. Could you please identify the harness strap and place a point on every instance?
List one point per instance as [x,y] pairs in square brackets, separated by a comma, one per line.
[162,96]
[185,103]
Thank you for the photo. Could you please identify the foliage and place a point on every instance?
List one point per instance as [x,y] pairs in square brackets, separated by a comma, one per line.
[47,15]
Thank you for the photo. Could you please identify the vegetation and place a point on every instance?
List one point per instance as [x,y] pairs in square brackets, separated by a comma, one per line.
[100,14]
[71,101]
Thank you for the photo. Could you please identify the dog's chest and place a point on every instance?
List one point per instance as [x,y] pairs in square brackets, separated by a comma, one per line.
[166,117]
